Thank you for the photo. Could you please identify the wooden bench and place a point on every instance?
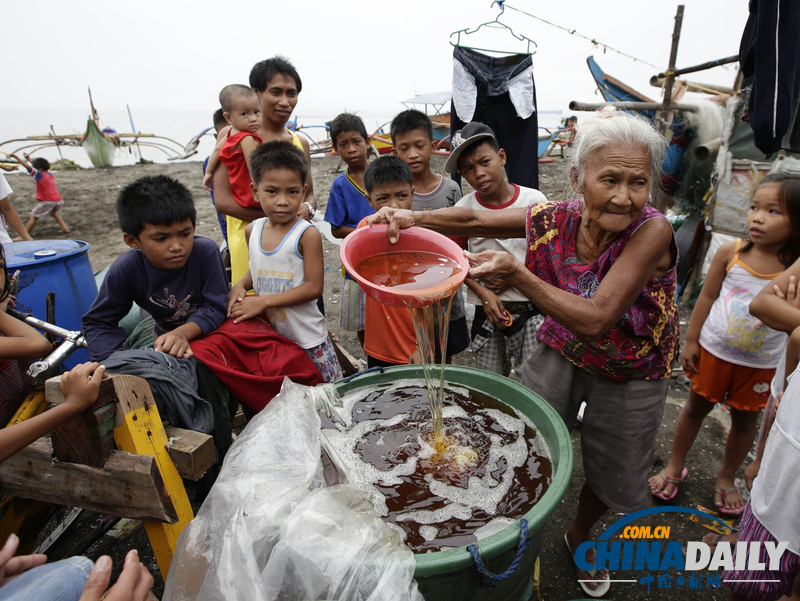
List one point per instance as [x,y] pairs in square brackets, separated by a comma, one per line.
[116,458]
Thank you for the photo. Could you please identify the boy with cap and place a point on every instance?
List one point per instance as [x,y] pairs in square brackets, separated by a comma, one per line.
[505,324]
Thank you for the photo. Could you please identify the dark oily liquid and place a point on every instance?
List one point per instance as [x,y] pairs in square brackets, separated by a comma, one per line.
[407,270]
[493,469]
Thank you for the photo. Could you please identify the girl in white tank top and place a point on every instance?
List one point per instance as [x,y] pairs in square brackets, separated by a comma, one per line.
[729,355]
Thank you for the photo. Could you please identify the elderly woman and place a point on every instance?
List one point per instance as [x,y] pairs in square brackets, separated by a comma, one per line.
[603,271]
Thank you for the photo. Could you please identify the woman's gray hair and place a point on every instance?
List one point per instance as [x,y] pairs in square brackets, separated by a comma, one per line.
[609,126]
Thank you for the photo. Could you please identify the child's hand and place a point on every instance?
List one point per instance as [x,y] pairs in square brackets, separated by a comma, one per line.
[10,566]
[689,356]
[792,295]
[81,385]
[207,178]
[493,306]
[134,583]
[247,307]
[175,344]
[415,358]
[236,295]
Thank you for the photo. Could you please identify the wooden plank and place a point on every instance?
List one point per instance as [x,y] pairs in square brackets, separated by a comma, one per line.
[139,430]
[191,452]
[350,365]
[192,455]
[86,438]
[52,389]
[240,419]
[126,486]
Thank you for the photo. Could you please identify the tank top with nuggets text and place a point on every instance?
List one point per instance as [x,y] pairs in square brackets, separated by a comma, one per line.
[280,270]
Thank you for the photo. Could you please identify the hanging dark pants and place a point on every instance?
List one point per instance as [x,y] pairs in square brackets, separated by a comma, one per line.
[518,137]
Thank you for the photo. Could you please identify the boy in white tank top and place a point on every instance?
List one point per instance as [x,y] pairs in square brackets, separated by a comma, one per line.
[286,259]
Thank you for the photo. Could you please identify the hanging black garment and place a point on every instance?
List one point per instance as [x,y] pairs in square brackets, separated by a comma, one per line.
[770,60]
[501,93]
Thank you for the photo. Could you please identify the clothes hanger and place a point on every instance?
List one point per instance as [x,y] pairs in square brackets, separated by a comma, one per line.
[496,24]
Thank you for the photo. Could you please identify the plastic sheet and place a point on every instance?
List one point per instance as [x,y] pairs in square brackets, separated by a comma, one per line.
[269,529]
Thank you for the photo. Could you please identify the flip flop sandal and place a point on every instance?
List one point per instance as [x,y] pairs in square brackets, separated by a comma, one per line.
[676,481]
[604,585]
[723,493]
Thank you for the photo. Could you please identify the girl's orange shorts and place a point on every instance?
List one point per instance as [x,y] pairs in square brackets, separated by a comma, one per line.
[743,388]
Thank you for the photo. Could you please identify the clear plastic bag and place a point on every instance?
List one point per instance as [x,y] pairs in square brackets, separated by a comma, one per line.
[270,530]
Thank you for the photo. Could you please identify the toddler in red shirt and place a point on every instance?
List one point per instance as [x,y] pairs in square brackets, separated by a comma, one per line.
[48,199]
[236,143]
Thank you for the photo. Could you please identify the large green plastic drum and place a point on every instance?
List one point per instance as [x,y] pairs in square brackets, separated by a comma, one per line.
[452,574]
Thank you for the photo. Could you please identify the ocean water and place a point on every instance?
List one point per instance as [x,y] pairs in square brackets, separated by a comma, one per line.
[179,126]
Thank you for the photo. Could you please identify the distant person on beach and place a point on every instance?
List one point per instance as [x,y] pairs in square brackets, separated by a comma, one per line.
[729,355]
[220,123]
[48,200]
[174,275]
[286,258]
[505,324]
[278,86]
[8,215]
[412,136]
[347,206]
[235,144]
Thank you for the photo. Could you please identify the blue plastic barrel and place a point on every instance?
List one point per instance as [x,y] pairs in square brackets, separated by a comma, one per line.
[60,266]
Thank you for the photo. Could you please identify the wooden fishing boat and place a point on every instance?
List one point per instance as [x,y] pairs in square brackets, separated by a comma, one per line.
[545,140]
[101,145]
[614,90]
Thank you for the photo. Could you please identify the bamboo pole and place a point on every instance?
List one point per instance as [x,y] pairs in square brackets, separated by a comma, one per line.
[666,114]
[703,88]
[577,105]
[709,65]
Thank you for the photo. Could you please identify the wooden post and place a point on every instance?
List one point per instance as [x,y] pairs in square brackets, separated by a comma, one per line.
[126,486]
[87,438]
[139,430]
[666,115]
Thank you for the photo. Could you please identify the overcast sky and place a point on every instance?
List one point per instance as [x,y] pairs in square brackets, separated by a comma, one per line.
[364,55]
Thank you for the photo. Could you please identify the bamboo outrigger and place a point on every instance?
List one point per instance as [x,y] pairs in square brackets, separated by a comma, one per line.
[101,145]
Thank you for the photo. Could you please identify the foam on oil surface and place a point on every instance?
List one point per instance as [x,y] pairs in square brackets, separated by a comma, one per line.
[508,447]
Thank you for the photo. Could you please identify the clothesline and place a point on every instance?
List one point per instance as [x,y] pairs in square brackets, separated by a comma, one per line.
[592,40]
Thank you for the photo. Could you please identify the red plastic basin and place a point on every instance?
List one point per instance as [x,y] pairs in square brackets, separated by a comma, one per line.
[373,240]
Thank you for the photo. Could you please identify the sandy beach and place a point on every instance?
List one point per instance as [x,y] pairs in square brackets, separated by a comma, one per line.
[89,197]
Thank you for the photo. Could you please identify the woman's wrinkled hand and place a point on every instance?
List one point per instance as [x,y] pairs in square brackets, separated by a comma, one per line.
[494,269]
[398,219]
